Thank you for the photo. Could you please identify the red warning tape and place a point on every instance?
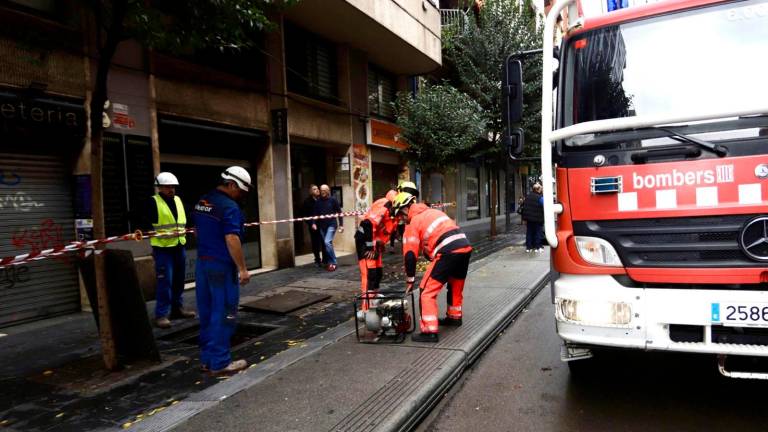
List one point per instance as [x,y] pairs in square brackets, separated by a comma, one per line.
[139,236]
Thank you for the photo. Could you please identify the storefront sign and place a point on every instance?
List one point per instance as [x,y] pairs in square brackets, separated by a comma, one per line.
[121,118]
[280,126]
[387,135]
[15,109]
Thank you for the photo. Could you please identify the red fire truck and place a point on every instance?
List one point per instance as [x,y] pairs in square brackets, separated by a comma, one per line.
[659,222]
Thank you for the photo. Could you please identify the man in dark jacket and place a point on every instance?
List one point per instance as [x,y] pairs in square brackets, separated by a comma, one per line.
[533,215]
[308,209]
[327,227]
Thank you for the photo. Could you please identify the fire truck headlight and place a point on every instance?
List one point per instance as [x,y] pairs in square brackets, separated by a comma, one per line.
[593,312]
[597,251]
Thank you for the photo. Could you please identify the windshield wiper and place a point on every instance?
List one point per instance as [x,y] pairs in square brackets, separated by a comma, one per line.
[714,148]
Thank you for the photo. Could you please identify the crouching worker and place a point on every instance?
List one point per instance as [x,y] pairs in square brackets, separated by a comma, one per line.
[373,232]
[432,232]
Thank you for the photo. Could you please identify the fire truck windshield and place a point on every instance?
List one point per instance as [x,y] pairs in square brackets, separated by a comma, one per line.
[706,59]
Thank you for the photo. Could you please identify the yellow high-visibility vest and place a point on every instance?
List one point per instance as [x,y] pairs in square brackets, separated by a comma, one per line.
[172,230]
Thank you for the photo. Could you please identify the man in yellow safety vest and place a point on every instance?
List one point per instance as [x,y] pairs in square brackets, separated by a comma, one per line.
[169,221]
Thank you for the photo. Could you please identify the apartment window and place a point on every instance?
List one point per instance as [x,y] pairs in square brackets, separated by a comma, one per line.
[311,67]
[128,181]
[381,92]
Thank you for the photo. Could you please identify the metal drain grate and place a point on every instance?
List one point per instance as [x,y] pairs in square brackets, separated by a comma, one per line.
[244,333]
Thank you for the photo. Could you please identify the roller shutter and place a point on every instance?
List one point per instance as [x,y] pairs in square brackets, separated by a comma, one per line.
[36,213]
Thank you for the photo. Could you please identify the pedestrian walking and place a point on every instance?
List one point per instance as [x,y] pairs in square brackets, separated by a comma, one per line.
[533,215]
[375,227]
[433,233]
[327,227]
[220,268]
[308,209]
[167,217]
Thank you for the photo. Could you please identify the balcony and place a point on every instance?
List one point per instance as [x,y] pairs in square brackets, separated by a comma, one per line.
[402,36]
[453,18]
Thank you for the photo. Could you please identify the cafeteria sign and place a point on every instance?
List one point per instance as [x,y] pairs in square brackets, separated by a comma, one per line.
[386,135]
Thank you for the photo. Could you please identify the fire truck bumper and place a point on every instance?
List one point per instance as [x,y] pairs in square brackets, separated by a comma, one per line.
[596,310]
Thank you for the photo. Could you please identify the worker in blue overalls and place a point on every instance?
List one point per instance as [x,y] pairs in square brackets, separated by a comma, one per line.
[220,268]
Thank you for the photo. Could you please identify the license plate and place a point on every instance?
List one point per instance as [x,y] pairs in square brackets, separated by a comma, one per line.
[740,314]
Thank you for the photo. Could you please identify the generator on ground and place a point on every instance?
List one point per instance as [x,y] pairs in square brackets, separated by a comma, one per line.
[387,318]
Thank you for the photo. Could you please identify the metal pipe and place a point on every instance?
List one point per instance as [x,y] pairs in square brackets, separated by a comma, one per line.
[546,121]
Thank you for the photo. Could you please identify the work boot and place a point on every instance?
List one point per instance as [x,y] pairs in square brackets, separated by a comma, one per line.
[450,322]
[425,337]
[232,368]
[182,313]
[163,323]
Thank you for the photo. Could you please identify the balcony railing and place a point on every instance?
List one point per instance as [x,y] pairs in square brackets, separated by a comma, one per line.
[453,18]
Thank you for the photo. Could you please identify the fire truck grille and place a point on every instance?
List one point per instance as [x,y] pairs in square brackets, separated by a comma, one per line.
[709,241]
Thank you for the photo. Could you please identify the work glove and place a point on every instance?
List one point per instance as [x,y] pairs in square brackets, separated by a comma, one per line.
[409,282]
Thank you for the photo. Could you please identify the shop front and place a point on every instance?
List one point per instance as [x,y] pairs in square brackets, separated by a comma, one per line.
[40,138]
[197,153]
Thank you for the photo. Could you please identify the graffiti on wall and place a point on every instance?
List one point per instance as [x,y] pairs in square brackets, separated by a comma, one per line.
[12,275]
[44,236]
[9,179]
[18,201]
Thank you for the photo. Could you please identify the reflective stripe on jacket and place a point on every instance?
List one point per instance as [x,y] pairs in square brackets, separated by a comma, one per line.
[171,229]
[430,232]
[381,221]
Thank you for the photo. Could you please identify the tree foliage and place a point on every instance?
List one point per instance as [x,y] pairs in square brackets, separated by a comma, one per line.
[440,124]
[477,54]
[473,55]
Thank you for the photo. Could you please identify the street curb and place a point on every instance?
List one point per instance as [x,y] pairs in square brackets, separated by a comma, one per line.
[203,400]
[422,402]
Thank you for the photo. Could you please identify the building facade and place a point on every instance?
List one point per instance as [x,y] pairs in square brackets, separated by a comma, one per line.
[310,104]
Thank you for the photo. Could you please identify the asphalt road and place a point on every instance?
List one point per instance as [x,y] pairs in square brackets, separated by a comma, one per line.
[520,384]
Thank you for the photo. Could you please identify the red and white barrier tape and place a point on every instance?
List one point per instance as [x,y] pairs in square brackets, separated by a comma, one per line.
[139,235]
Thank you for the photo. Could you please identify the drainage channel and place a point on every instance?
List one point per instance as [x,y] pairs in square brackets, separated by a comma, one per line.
[245,332]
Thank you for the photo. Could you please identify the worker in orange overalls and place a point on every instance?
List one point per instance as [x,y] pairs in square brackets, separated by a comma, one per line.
[375,227]
[436,235]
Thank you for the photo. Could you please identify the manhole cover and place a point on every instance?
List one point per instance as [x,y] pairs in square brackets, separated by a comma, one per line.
[285,302]
[243,333]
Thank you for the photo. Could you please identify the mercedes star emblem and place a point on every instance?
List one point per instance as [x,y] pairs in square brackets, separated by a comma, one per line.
[754,238]
[761,171]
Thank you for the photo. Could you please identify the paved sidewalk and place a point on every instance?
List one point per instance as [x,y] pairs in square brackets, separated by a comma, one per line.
[53,379]
[334,383]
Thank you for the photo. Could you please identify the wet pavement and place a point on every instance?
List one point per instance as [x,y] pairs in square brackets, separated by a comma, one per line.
[520,384]
[36,365]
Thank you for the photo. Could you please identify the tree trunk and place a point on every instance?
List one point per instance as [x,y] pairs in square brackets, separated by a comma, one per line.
[99,96]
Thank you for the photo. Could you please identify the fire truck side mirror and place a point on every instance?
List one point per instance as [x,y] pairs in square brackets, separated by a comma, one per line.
[512,92]
[514,141]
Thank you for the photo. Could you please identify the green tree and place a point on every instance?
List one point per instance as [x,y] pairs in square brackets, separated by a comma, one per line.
[474,51]
[476,56]
[440,124]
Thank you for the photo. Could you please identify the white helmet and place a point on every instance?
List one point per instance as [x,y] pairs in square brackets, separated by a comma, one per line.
[166,179]
[238,175]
